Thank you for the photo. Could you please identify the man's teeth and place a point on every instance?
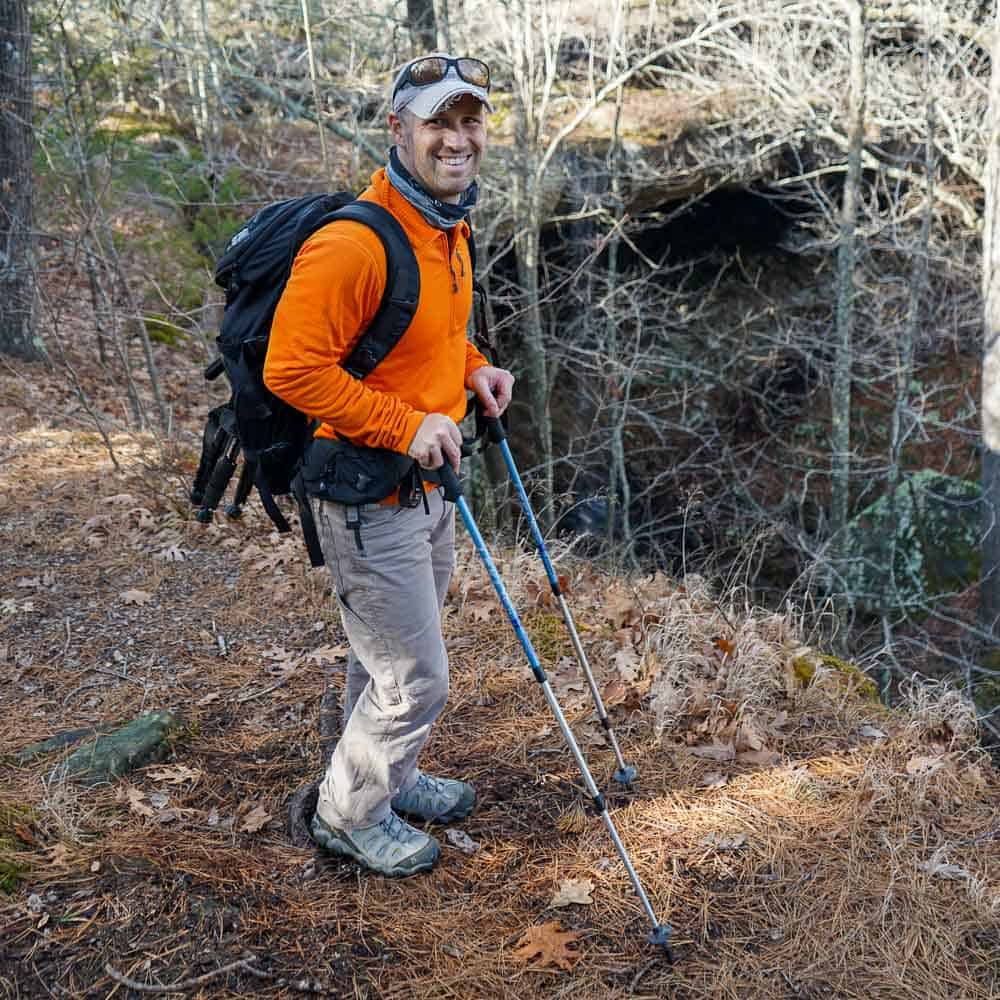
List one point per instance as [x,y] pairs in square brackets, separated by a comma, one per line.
[454,161]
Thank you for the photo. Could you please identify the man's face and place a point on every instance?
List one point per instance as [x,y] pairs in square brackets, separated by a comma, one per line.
[443,152]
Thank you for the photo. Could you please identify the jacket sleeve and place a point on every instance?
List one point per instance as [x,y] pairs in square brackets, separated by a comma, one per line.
[473,359]
[332,295]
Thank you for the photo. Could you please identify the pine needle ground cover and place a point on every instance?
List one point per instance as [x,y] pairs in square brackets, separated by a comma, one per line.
[802,840]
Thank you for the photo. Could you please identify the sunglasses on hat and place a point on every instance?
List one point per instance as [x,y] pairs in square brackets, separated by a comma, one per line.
[433,69]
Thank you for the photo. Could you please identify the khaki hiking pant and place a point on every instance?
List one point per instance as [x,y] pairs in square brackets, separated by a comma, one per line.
[390,566]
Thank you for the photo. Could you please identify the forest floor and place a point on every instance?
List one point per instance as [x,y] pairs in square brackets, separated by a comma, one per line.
[802,840]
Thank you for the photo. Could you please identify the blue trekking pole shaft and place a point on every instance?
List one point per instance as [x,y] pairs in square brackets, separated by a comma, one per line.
[625,774]
[660,934]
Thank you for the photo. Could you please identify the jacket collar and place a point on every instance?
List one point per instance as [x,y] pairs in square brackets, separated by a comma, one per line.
[419,230]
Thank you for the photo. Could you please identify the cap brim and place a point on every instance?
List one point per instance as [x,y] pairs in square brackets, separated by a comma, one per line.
[428,101]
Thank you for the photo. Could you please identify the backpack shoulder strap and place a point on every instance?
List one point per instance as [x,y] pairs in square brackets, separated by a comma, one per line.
[402,288]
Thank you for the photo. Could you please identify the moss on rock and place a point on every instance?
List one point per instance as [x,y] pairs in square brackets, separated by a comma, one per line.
[143,741]
[804,669]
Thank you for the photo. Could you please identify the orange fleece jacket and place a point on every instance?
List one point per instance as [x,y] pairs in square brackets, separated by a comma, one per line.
[332,295]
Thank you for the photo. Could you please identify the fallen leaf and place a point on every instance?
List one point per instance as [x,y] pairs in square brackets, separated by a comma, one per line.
[872,732]
[718,752]
[209,698]
[547,945]
[461,840]
[747,737]
[714,779]
[140,597]
[276,653]
[23,833]
[120,499]
[724,646]
[328,654]
[953,873]
[616,693]
[212,819]
[175,812]
[924,765]
[176,774]
[136,802]
[95,866]
[58,854]
[627,664]
[254,820]
[572,891]
[172,553]
[158,800]
[621,608]
[724,841]
[762,758]
[481,611]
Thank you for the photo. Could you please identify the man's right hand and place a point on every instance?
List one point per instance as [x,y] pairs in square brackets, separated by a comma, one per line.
[437,440]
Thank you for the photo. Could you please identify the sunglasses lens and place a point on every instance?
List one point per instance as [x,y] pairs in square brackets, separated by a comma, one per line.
[427,71]
[474,71]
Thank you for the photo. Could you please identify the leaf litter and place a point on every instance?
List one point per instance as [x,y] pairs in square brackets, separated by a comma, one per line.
[804,821]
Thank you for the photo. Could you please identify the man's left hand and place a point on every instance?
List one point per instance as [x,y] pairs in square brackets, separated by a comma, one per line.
[493,386]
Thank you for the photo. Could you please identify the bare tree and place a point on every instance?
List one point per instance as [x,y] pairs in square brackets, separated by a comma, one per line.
[423,24]
[990,587]
[843,361]
[17,286]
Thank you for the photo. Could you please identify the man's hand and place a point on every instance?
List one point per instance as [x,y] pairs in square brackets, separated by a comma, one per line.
[437,440]
[493,386]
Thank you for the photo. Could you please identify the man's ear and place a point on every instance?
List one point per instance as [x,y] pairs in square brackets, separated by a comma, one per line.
[397,129]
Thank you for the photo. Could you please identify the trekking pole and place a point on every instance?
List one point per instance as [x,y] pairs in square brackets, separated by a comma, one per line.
[625,774]
[660,934]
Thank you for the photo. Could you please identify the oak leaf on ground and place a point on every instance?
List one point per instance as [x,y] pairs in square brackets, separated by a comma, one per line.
[254,820]
[140,597]
[548,945]
[573,890]
[176,774]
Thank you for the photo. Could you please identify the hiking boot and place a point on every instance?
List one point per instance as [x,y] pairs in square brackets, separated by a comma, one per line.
[392,847]
[436,800]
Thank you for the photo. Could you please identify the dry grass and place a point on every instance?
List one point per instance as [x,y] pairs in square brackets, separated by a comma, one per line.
[802,840]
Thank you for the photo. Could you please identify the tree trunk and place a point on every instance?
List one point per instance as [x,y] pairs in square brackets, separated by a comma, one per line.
[17,280]
[423,24]
[990,587]
[843,361]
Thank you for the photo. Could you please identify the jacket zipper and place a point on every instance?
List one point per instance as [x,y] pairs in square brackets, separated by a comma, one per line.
[451,262]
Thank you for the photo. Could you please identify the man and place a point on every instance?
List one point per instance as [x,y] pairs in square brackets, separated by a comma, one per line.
[391,563]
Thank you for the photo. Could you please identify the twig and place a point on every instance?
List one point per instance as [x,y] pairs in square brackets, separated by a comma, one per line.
[637,978]
[186,984]
[256,694]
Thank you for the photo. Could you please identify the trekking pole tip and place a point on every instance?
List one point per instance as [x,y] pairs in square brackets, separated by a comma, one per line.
[661,936]
[625,775]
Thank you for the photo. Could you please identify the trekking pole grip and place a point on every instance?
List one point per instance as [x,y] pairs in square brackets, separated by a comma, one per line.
[452,487]
[495,429]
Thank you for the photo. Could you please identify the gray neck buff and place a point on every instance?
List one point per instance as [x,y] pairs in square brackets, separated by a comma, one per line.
[440,214]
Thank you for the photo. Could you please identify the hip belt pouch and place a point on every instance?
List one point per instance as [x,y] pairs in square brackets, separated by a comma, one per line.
[351,474]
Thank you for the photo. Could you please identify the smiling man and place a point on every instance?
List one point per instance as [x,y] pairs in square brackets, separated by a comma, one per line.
[391,560]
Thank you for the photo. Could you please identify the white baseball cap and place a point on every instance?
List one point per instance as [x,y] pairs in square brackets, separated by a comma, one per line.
[449,78]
